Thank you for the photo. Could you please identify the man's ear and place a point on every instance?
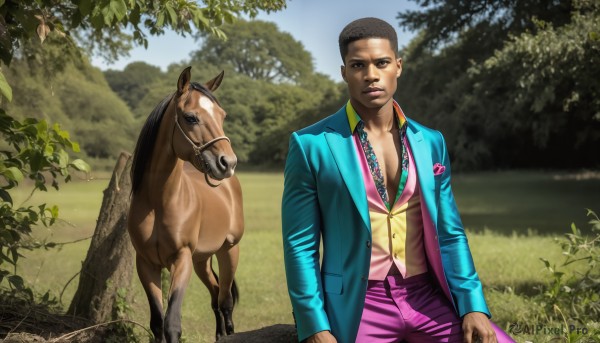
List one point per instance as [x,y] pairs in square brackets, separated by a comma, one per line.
[399,64]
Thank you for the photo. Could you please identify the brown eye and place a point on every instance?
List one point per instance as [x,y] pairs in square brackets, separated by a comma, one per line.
[190,119]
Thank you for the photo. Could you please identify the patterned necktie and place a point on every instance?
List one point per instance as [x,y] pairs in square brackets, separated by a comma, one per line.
[374,164]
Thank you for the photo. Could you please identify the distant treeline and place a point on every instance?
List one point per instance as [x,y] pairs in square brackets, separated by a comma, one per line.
[513,86]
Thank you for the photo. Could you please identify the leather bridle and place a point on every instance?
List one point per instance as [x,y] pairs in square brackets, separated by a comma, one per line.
[199,161]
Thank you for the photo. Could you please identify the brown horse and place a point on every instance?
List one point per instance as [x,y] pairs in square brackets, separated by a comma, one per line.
[186,205]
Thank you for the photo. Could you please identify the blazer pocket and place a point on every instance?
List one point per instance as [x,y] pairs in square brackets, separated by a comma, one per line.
[332,283]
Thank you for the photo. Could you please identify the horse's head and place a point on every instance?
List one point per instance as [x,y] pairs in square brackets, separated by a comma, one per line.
[198,135]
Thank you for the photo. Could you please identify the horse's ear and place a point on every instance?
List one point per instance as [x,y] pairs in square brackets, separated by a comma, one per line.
[213,84]
[183,84]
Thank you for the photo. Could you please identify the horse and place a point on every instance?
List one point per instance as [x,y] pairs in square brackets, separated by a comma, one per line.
[186,205]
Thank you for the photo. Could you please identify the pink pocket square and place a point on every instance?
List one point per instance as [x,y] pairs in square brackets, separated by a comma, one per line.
[438,169]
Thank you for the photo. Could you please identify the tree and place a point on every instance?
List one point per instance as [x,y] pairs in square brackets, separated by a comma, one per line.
[73,29]
[444,22]
[38,151]
[100,26]
[111,244]
[286,108]
[133,82]
[452,81]
[548,96]
[258,49]
[80,99]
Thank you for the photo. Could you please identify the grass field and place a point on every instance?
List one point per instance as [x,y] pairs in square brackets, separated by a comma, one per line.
[497,208]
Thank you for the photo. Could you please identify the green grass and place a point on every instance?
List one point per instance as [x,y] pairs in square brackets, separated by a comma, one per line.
[496,207]
[546,203]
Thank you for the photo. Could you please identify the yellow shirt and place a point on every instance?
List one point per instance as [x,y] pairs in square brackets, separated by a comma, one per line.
[397,234]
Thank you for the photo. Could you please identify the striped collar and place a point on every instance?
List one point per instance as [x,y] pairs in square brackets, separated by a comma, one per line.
[354,118]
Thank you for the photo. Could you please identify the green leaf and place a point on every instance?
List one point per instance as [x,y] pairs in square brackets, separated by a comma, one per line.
[107,14]
[42,129]
[81,165]
[5,88]
[48,150]
[54,211]
[3,273]
[75,147]
[172,14]
[135,16]
[119,8]
[5,196]
[63,159]
[16,281]
[574,228]
[160,19]
[85,7]
[13,173]
[62,133]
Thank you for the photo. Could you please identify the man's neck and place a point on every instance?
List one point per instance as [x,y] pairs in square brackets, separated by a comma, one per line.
[377,120]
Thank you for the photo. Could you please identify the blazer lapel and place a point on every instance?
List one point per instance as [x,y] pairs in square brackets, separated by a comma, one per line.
[341,145]
[423,160]
[422,157]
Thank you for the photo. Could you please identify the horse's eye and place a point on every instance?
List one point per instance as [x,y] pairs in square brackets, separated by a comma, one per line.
[190,119]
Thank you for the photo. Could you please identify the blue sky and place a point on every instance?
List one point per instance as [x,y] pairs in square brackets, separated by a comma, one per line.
[315,23]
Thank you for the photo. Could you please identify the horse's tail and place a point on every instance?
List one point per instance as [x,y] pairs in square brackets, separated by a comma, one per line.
[235,293]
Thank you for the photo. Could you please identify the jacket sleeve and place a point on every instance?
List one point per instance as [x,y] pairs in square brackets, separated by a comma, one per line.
[464,283]
[301,229]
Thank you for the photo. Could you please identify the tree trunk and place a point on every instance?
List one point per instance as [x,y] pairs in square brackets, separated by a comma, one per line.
[108,265]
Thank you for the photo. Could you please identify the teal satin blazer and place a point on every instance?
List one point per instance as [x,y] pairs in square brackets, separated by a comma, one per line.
[324,201]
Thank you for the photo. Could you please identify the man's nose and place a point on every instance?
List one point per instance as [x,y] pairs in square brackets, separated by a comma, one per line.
[372,73]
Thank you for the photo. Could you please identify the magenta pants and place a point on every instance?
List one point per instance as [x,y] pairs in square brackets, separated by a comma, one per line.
[410,310]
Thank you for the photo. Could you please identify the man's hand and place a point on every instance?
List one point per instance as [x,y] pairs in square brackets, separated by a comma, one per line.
[477,328]
[321,337]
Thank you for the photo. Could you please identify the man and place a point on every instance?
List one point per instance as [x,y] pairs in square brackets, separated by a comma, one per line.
[375,186]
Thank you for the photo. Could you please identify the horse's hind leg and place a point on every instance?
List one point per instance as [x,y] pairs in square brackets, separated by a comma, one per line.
[228,261]
[181,269]
[149,275]
[205,272]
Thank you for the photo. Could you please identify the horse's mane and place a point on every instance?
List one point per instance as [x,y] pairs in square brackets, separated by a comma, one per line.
[145,143]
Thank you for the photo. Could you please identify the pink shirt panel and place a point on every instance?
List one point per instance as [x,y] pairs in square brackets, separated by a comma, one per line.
[397,234]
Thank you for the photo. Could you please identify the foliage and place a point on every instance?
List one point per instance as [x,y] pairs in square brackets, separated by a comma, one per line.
[122,331]
[77,97]
[105,126]
[103,26]
[37,151]
[259,129]
[550,77]
[258,49]
[507,86]
[445,21]
[576,298]
[133,82]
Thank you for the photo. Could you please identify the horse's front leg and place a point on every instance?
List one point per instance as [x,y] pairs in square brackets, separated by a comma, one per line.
[228,261]
[149,275]
[181,269]
[204,270]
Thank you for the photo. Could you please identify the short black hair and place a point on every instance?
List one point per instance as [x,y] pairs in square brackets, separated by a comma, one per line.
[367,28]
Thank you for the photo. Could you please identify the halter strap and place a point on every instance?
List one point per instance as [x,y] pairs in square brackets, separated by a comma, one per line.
[199,149]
